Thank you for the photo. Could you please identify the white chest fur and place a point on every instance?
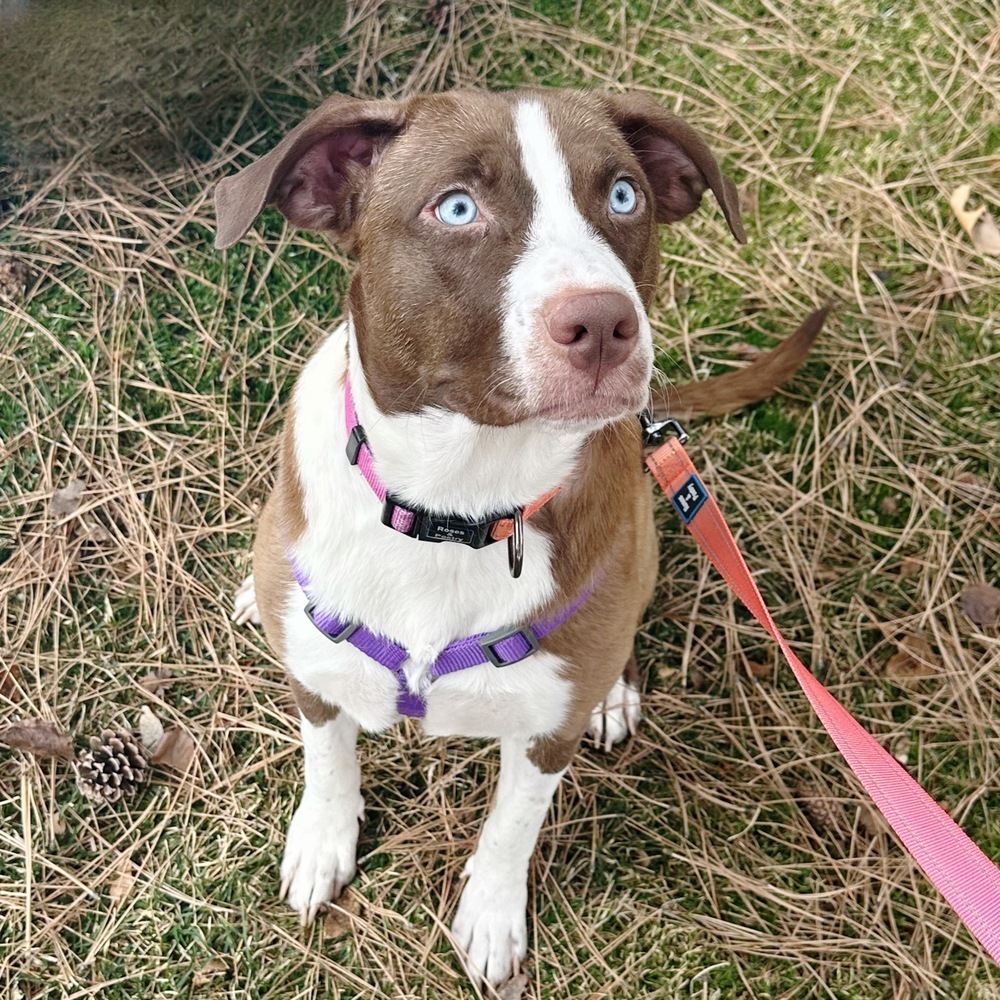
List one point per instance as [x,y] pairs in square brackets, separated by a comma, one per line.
[422,595]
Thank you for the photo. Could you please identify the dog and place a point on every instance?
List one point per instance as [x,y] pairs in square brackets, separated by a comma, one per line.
[460,530]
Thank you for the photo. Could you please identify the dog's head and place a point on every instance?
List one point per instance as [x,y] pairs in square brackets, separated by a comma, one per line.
[507,242]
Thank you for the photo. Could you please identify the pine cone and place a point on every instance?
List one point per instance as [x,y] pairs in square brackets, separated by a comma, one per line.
[115,765]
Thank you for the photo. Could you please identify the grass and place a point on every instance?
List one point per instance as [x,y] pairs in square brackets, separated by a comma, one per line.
[723,852]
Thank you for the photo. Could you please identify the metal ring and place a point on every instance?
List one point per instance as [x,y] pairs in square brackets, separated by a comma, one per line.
[515,545]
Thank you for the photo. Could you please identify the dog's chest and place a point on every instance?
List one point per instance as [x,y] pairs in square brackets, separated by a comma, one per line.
[421,595]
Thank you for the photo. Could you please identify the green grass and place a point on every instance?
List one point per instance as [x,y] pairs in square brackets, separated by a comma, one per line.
[153,368]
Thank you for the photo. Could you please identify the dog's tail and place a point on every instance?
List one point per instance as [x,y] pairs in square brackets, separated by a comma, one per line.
[715,396]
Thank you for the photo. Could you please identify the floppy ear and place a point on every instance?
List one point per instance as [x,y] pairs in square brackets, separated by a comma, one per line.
[316,174]
[675,159]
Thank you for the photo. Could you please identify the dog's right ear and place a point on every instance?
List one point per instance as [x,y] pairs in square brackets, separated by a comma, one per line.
[316,175]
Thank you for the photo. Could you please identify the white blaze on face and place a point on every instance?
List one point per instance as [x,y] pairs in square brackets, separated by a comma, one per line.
[562,251]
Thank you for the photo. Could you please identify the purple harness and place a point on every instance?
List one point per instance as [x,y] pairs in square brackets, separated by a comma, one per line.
[501,647]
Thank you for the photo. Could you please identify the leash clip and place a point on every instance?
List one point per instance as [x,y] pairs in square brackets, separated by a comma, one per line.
[655,431]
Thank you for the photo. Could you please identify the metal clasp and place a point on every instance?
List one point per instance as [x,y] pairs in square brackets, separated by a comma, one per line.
[515,545]
[655,431]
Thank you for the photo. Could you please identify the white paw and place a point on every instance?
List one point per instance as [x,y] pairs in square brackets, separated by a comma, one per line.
[320,857]
[490,929]
[245,603]
[617,717]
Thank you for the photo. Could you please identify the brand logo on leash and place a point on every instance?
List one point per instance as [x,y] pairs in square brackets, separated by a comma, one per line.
[688,499]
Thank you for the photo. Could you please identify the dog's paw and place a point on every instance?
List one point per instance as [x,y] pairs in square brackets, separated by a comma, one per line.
[320,858]
[245,603]
[617,717]
[491,930]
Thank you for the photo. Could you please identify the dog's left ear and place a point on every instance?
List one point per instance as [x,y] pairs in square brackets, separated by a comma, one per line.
[676,160]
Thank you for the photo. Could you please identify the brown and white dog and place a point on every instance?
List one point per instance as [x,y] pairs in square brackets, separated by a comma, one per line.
[497,352]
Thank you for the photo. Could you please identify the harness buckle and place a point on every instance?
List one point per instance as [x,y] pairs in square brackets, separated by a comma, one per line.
[322,622]
[654,431]
[491,640]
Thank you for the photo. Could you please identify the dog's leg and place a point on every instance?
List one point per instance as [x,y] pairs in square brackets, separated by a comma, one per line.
[490,926]
[321,852]
[245,603]
[618,715]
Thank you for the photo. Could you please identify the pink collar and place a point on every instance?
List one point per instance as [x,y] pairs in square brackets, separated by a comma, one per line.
[428,526]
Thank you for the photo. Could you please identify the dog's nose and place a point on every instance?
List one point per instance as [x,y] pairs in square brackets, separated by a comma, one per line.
[598,329]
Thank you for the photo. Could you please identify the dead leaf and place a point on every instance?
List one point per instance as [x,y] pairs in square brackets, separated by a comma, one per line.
[974,488]
[10,682]
[123,882]
[150,729]
[948,285]
[514,988]
[978,223]
[910,567]
[176,749]
[210,971]
[888,506]
[981,604]
[872,821]
[35,736]
[758,669]
[67,500]
[745,352]
[913,659]
[337,921]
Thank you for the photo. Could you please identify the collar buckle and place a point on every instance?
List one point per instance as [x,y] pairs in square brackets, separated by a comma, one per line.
[427,526]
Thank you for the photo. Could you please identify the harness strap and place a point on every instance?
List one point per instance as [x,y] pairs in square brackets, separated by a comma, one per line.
[502,647]
[953,863]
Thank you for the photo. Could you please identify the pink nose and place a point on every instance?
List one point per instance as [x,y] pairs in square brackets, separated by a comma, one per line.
[598,329]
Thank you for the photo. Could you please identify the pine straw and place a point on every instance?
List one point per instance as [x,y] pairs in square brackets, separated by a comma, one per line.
[725,850]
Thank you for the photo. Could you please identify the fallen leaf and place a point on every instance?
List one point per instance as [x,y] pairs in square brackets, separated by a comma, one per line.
[57,824]
[150,729]
[123,882]
[872,821]
[10,681]
[913,659]
[176,749]
[980,603]
[910,567]
[758,669]
[514,988]
[974,488]
[210,971]
[38,737]
[978,223]
[888,506]
[337,921]
[745,352]
[67,500]
[948,285]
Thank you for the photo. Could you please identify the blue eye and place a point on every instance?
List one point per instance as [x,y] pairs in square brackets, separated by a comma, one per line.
[457,209]
[623,198]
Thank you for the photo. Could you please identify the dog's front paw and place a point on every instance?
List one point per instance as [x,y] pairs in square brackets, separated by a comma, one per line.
[617,717]
[491,929]
[320,858]
[245,603]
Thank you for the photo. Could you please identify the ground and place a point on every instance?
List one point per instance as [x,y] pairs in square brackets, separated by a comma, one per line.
[725,851]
